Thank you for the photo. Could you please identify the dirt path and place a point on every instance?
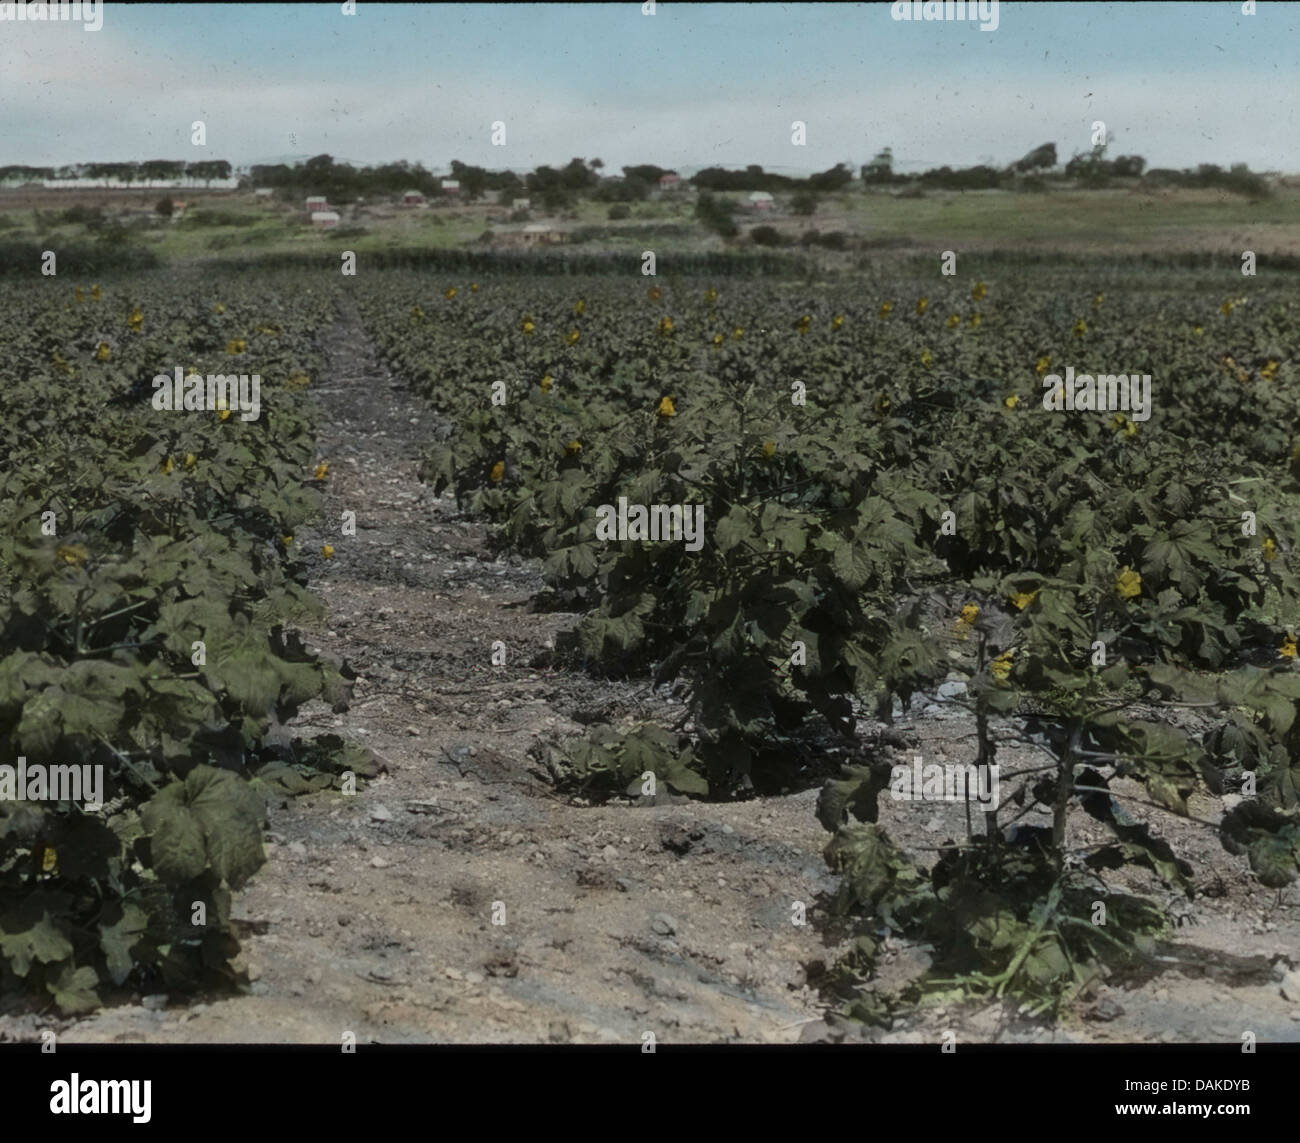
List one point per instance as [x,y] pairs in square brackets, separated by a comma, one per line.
[375,914]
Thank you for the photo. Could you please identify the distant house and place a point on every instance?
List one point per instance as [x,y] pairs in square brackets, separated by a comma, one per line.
[523,204]
[761,200]
[317,202]
[450,186]
[264,192]
[324,219]
[412,198]
[534,234]
[670,180]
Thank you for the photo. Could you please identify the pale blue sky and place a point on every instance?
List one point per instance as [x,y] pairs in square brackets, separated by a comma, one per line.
[692,85]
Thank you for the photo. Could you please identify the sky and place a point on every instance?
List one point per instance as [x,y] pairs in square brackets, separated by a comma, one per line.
[693,85]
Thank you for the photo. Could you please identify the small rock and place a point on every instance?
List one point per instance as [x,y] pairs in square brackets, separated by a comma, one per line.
[728,830]
[413,731]
[473,978]
[609,853]
[1231,801]
[664,924]
[1291,987]
[297,849]
[623,885]
[158,1001]
[381,814]
[379,863]
[950,690]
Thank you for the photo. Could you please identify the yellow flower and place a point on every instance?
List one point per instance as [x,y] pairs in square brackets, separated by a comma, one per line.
[718,339]
[527,324]
[219,308]
[224,415]
[979,291]
[1096,302]
[136,320]
[449,292]
[1197,330]
[1118,421]
[1270,549]
[73,555]
[837,322]
[473,287]
[166,467]
[297,380]
[882,402]
[546,382]
[886,310]
[236,346]
[1226,308]
[969,614]
[1270,370]
[95,292]
[321,471]
[1080,327]
[1012,401]
[49,859]
[921,303]
[572,337]
[654,293]
[1000,668]
[927,358]
[1022,599]
[768,451]
[1287,650]
[498,471]
[270,330]
[737,333]
[666,407]
[191,461]
[711,296]
[103,353]
[1043,365]
[573,448]
[954,320]
[579,307]
[803,324]
[1128,584]
[286,540]
[665,325]
[79,294]
[416,312]
[327,551]
[975,319]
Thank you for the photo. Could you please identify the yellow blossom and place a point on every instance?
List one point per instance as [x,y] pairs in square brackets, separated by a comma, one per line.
[136,320]
[1022,599]
[79,294]
[103,353]
[768,451]
[191,461]
[286,540]
[654,293]
[95,292]
[1080,327]
[417,312]
[711,296]
[927,358]
[449,292]
[572,337]
[665,325]
[979,292]
[1287,650]
[666,407]
[886,310]
[1096,302]
[1043,365]
[1128,584]
[718,339]
[473,287]
[975,319]
[579,307]
[1270,549]
[236,346]
[1000,668]
[1198,330]
[327,551]
[1012,401]
[573,448]
[954,320]
[219,308]
[321,471]
[546,382]
[298,380]
[737,333]
[73,555]
[837,322]
[1226,308]
[166,467]
[498,471]
[921,304]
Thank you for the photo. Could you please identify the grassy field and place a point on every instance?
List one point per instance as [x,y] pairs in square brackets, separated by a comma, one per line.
[1104,220]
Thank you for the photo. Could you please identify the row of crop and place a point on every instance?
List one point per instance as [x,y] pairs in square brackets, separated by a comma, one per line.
[148,588]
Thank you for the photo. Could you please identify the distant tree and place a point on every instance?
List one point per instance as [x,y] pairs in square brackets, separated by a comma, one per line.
[716,214]
[1039,158]
[880,170]
[765,236]
[165,207]
[837,178]
[619,211]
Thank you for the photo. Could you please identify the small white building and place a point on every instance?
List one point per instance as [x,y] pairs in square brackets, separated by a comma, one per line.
[264,193]
[324,219]
[412,198]
[451,186]
[761,200]
[317,202]
[523,204]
